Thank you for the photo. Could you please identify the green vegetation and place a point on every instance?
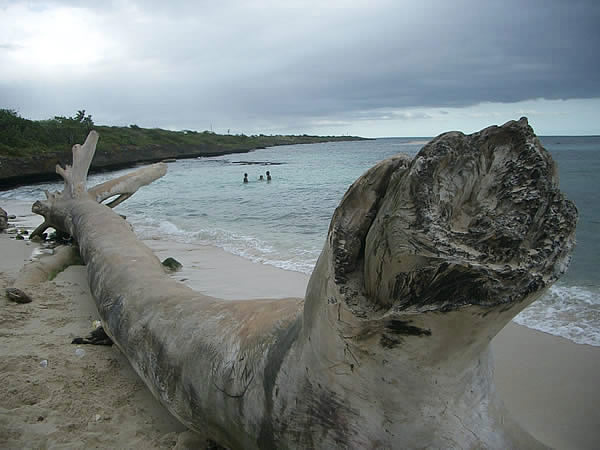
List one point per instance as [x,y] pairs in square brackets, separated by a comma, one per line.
[21,137]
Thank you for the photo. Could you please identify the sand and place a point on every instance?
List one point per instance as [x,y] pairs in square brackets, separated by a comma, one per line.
[96,400]
[550,385]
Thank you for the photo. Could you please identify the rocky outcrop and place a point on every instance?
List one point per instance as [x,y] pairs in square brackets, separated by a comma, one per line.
[37,167]
[426,259]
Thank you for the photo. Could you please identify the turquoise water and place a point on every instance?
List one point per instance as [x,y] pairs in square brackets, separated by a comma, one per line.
[284,222]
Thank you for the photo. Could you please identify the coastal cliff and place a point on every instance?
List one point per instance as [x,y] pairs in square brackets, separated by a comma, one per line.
[31,149]
[32,167]
[36,167]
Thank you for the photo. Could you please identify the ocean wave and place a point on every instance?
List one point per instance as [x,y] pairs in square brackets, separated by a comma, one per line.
[248,247]
[258,251]
[571,312]
[402,144]
[147,228]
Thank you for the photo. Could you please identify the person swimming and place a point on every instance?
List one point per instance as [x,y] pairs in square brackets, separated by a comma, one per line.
[245,178]
[261,178]
[268,176]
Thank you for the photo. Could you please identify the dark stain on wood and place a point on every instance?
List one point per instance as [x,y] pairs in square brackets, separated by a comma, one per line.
[403,327]
[398,329]
[285,338]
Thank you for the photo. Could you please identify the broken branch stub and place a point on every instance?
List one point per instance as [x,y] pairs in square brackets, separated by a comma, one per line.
[426,259]
[125,186]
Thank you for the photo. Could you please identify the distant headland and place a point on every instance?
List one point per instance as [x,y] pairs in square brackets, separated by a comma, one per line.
[30,149]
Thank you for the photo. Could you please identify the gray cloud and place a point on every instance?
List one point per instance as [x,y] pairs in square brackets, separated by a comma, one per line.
[175,64]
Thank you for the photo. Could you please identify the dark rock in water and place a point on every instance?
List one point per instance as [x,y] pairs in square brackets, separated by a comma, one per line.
[3,220]
[172,265]
[17,295]
[19,237]
[12,217]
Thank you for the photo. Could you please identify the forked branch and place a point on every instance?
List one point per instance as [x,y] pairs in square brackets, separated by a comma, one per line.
[75,178]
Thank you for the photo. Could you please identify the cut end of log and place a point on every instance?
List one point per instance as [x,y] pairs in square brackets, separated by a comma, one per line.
[471,221]
[480,216]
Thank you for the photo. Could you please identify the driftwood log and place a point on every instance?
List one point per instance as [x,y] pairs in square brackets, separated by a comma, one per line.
[3,220]
[426,259]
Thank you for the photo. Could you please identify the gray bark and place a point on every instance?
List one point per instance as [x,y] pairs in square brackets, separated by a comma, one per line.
[425,261]
[3,220]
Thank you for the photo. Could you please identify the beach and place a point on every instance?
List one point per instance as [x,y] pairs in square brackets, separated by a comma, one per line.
[55,397]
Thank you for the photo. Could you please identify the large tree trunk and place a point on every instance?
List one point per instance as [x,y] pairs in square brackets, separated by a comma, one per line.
[425,261]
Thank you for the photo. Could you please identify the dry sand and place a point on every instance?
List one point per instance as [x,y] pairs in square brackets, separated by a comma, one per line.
[96,400]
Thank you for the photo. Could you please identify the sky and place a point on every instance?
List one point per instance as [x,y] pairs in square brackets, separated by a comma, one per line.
[361,67]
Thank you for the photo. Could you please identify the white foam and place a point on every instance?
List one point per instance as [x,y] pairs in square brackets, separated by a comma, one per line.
[251,248]
[572,312]
[148,228]
[257,250]
[22,209]
[421,142]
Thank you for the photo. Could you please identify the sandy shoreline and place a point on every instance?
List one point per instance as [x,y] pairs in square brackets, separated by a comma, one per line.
[548,383]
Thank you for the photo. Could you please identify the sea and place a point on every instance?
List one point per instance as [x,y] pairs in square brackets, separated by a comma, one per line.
[284,222]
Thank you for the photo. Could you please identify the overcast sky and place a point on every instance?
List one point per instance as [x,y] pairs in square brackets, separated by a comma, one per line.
[371,68]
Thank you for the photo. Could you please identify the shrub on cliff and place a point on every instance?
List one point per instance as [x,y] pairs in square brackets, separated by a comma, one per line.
[19,135]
